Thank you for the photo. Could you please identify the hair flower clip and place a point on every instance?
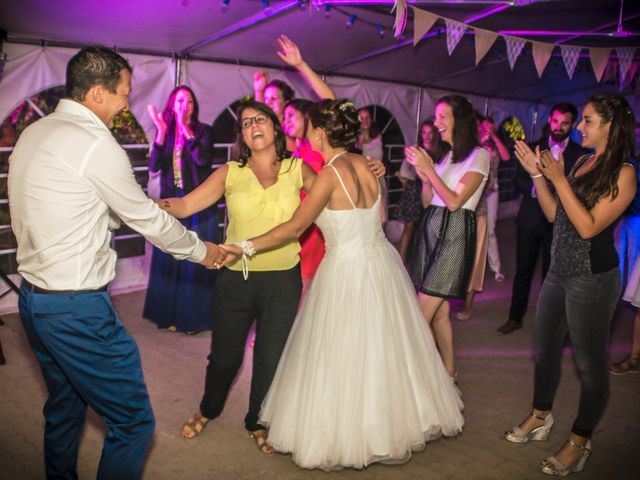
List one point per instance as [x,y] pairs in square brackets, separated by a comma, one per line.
[344,106]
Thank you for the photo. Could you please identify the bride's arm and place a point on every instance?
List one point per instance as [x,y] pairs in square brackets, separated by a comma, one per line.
[304,216]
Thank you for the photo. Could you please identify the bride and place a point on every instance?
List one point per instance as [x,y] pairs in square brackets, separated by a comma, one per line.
[360,379]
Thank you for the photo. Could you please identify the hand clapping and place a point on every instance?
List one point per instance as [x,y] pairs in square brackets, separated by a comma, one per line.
[419,158]
[157,120]
[552,170]
[527,157]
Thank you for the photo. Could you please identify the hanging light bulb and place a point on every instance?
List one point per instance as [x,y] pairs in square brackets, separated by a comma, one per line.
[351,20]
[267,7]
[302,4]
[380,30]
[224,4]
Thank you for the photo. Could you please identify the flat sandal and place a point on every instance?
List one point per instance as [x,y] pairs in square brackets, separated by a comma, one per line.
[195,425]
[260,437]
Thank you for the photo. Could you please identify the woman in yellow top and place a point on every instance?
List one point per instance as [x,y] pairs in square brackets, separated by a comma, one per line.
[262,190]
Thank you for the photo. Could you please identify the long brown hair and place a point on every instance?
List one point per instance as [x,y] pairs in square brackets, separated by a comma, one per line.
[169,116]
[602,180]
[465,126]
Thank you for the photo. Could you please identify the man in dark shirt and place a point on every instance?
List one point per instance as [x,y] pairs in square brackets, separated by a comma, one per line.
[533,231]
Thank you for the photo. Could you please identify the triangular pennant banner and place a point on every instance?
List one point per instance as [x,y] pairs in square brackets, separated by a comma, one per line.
[422,23]
[541,55]
[484,41]
[514,47]
[455,31]
[632,71]
[625,57]
[570,55]
[599,59]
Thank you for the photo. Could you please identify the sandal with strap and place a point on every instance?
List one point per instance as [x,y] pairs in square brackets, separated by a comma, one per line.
[631,364]
[260,437]
[539,434]
[194,426]
[551,466]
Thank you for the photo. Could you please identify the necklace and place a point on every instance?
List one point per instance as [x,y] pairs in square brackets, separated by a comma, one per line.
[336,156]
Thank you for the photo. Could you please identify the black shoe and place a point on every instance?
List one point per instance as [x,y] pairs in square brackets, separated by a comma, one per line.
[510,326]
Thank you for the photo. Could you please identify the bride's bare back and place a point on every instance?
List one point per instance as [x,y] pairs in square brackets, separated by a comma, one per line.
[359,181]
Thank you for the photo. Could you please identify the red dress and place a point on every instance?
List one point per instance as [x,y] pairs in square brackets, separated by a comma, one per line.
[311,241]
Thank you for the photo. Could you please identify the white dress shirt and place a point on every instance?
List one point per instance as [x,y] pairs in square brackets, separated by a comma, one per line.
[67,177]
[556,150]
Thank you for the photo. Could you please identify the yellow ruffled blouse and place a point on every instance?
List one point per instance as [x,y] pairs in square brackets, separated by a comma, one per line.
[254,210]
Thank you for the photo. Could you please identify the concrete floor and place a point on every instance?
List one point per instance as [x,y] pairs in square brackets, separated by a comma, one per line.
[495,377]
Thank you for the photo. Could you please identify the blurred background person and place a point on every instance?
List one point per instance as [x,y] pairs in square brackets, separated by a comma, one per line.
[410,204]
[180,294]
[492,143]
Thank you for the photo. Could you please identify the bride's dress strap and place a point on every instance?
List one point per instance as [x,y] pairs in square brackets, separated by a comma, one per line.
[343,187]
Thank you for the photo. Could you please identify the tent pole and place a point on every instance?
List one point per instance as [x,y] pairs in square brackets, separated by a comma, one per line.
[419,109]
[177,74]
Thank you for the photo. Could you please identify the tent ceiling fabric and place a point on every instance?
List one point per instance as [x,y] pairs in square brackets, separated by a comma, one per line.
[242,33]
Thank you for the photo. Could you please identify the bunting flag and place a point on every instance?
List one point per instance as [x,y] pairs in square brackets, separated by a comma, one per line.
[570,55]
[632,71]
[455,31]
[400,6]
[422,23]
[514,47]
[542,51]
[484,40]
[599,59]
[541,55]
[625,57]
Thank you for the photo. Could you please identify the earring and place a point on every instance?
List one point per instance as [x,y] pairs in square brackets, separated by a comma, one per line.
[317,137]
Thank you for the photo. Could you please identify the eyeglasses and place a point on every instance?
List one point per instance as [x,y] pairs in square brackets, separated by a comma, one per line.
[258,120]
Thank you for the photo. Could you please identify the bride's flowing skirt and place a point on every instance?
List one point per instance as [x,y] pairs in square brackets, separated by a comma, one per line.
[360,379]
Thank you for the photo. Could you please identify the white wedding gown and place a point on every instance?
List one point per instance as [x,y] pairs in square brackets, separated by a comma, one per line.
[360,379]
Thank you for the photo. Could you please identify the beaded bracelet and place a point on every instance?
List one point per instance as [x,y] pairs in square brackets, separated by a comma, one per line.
[536,176]
[247,252]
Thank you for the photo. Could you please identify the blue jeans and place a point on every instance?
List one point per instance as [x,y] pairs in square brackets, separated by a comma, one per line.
[88,358]
[581,305]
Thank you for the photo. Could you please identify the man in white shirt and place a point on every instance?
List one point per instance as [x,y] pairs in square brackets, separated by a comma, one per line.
[69,181]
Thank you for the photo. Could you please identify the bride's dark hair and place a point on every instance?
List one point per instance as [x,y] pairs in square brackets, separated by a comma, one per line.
[339,119]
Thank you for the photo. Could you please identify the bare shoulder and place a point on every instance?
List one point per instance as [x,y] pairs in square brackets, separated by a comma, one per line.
[628,176]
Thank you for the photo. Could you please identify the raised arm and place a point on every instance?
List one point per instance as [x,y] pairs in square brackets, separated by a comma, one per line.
[503,151]
[260,80]
[205,195]
[290,54]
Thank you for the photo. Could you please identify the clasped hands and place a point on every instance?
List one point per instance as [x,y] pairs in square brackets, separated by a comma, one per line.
[219,255]
[539,162]
[420,159]
[161,125]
